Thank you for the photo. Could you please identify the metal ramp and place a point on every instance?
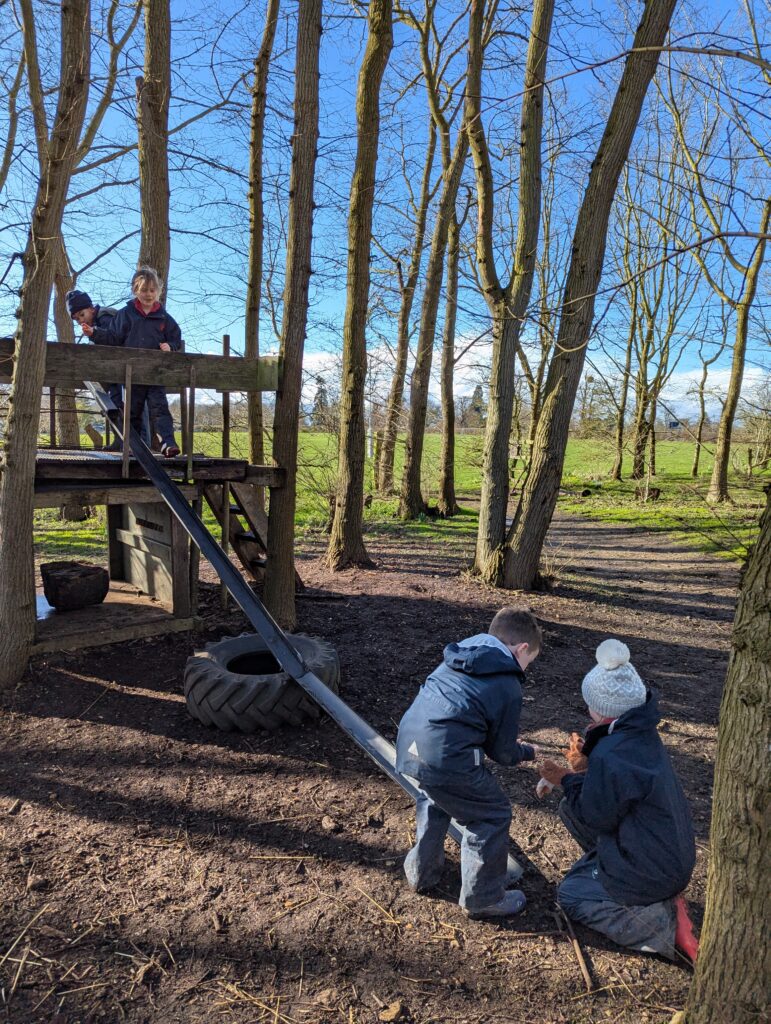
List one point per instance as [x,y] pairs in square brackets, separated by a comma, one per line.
[371,742]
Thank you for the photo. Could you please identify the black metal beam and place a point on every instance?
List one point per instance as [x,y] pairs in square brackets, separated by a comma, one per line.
[371,742]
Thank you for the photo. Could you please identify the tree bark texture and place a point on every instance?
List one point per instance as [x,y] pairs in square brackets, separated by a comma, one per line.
[731,977]
[539,496]
[700,425]
[346,541]
[256,225]
[448,504]
[411,502]
[718,488]
[280,573]
[153,95]
[385,462]
[507,305]
[618,463]
[17,466]
[67,417]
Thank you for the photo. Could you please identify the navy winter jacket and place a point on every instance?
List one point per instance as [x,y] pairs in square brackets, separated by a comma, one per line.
[103,318]
[469,706]
[631,797]
[136,330]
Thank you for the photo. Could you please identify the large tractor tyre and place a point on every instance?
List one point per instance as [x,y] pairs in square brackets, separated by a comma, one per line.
[238,686]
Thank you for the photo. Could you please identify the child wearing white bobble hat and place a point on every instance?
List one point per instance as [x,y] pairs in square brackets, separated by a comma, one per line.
[625,807]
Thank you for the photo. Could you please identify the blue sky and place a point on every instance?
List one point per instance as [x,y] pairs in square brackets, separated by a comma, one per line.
[214,45]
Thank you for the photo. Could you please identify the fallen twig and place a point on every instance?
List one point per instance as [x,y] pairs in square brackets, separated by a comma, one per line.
[391,919]
[22,933]
[579,953]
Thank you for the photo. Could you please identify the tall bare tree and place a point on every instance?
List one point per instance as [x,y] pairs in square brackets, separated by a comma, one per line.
[256,224]
[411,502]
[713,207]
[153,96]
[17,465]
[280,575]
[384,472]
[525,538]
[660,289]
[708,356]
[507,302]
[346,541]
[447,502]
[731,977]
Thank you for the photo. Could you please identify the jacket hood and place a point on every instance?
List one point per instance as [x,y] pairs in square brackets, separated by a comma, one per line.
[643,718]
[480,661]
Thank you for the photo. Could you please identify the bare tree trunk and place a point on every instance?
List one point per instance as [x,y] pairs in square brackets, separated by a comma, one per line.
[508,304]
[153,95]
[641,427]
[730,982]
[346,542]
[385,463]
[280,573]
[448,504]
[17,465]
[652,440]
[67,417]
[702,419]
[66,398]
[411,502]
[539,496]
[256,226]
[615,473]
[718,488]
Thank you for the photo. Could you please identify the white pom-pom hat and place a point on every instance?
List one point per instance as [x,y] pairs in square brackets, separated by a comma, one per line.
[613,685]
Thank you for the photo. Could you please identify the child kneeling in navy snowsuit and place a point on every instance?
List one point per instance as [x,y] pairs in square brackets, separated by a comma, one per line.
[144,323]
[625,807]
[467,709]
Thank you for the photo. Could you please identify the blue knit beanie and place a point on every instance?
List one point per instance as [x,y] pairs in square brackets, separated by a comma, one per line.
[77,300]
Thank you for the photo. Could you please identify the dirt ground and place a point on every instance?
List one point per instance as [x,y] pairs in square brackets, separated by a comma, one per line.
[152,870]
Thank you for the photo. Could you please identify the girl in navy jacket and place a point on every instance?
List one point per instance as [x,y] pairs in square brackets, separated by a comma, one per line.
[624,805]
[144,323]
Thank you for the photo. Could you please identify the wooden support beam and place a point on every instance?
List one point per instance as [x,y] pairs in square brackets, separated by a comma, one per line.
[78,471]
[69,365]
[124,471]
[52,494]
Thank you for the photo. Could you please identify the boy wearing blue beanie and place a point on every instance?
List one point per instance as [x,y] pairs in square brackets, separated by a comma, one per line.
[84,312]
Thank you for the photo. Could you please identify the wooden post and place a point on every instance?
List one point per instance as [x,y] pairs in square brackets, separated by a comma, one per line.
[126,422]
[226,406]
[225,539]
[191,424]
[183,420]
[225,486]
[52,416]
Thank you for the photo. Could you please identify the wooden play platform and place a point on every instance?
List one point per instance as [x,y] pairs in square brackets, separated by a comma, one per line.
[153,564]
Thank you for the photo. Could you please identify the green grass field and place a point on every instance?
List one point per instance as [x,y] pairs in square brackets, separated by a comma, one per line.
[682,511]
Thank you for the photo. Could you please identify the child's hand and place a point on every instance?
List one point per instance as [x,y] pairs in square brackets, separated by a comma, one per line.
[553,772]
[165,346]
[577,761]
[543,788]
[88,330]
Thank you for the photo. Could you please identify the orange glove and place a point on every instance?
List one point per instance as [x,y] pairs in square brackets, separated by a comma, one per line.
[552,772]
[577,761]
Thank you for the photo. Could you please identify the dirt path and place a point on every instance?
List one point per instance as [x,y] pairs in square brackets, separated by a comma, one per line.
[182,875]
